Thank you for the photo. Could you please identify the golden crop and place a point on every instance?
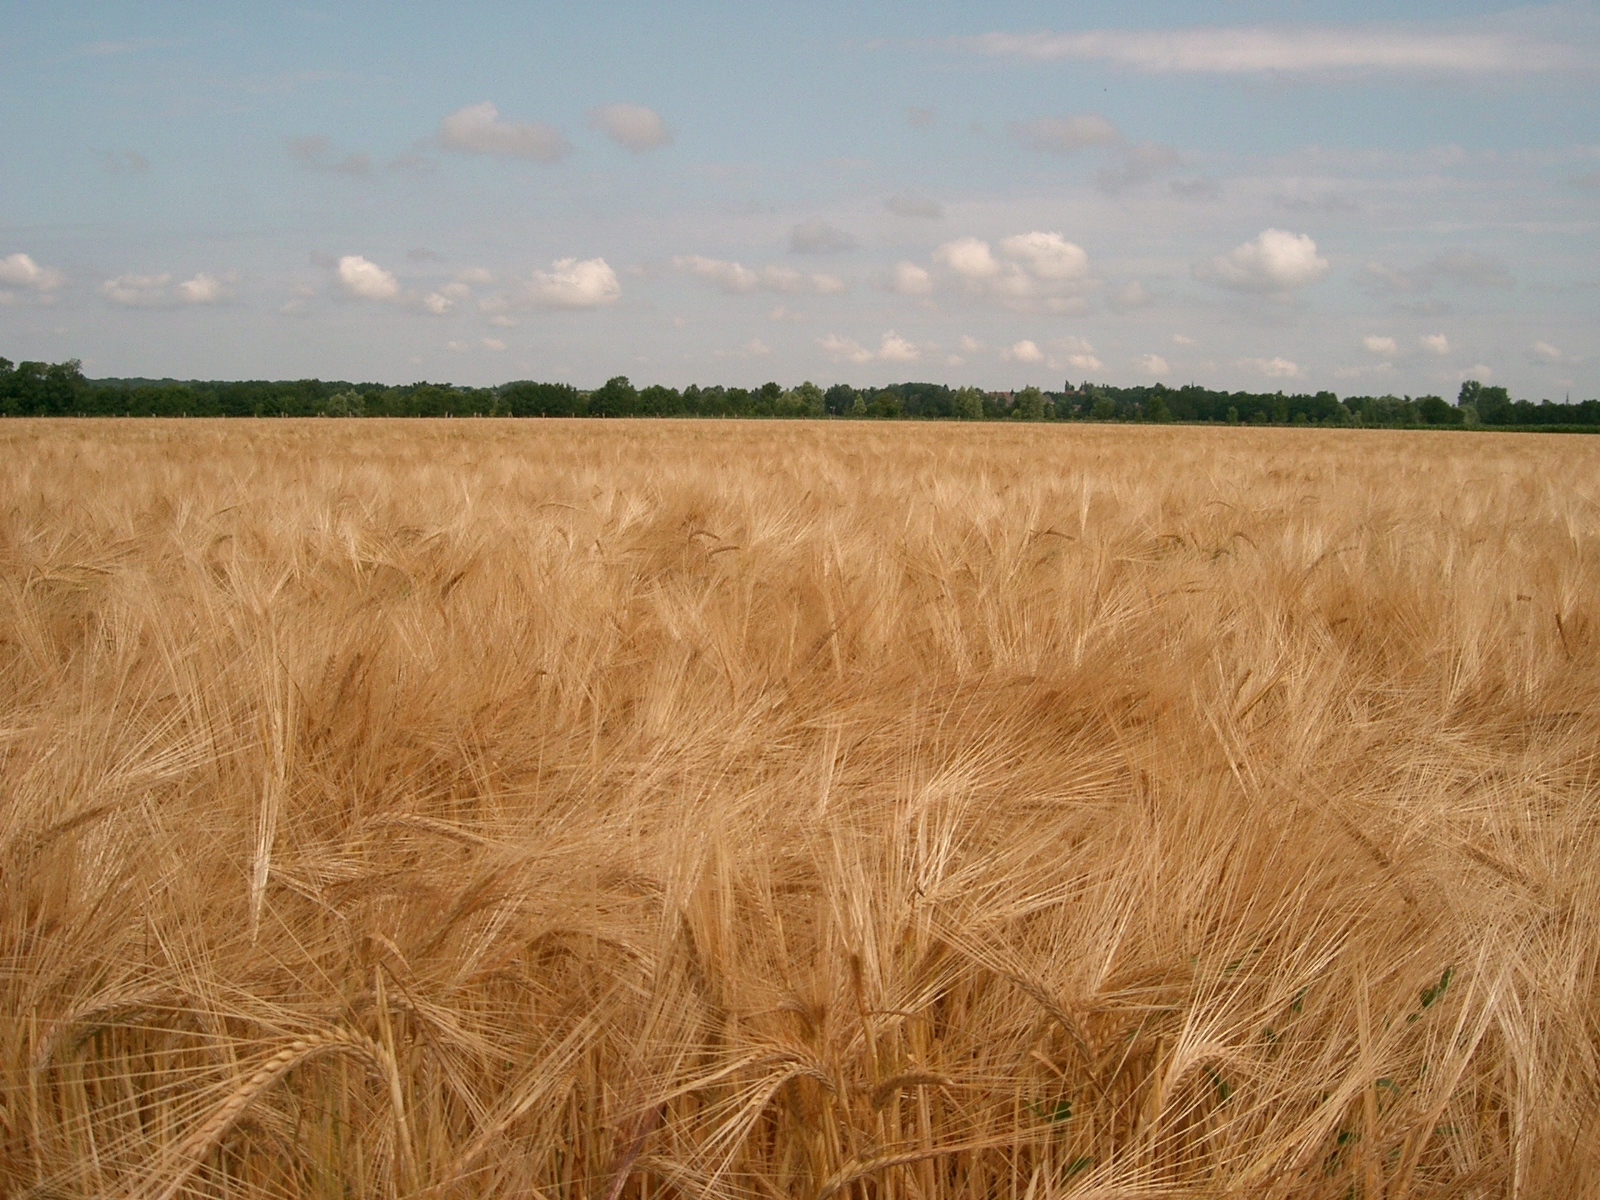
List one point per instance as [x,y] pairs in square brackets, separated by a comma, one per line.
[667,810]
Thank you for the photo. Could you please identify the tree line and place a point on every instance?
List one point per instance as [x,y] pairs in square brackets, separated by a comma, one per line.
[61,389]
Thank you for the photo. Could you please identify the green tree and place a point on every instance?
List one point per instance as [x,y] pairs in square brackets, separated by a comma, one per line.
[811,400]
[1030,404]
[969,404]
[617,398]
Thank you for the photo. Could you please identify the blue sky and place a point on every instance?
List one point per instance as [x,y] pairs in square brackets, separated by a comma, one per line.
[1361,197]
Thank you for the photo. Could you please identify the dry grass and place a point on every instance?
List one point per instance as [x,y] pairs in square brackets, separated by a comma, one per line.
[658,811]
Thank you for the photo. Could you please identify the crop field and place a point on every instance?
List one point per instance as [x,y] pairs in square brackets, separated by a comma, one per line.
[704,810]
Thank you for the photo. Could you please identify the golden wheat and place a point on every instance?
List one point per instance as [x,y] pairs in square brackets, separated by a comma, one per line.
[644,811]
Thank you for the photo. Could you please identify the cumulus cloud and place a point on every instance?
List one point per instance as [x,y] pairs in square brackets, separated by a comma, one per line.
[891,348]
[1544,352]
[1183,339]
[202,289]
[1026,351]
[738,279]
[1047,255]
[968,257]
[911,280]
[1151,364]
[158,291]
[914,207]
[1272,368]
[1384,346]
[631,125]
[366,280]
[919,118]
[1073,352]
[19,270]
[1464,267]
[314,154]
[1064,135]
[478,129]
[574,283]
[1282,50]
[1435,343]
[1137,164]
[1275,261]
[1031,271]
[816,236]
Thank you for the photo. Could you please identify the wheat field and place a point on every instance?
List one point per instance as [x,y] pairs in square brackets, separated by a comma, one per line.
[679,810]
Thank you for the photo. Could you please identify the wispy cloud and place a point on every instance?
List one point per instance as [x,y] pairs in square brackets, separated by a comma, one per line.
[478,129]
[158,291]
[818,237]
[1466,267]
[111,47]
[891,348]
[1064,135]
[738,279]
[1284,49]
[315,154]
[915,207]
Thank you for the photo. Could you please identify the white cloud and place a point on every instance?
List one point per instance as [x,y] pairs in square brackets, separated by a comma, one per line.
[1038,267]
[843,349]
[1380,345]
[574,283]
[895,348]
[1047,255]
[631,125]
[1283,49]
[1272,368]
[968,257]
[366,279]
[911,280]
[137,291]
[738,279]
[438,304]
[1435,343]
[912,206]
[158,291]
[755,346]
[1152,364]
[493,344]
[818,237]
[1544,352]
[202,289]
[1274,261]
[1073,352]
[1063,135]
[891,348]
[478,129]
[21,271]
[970,344]
[1024,351]
[1183,339]
[475,275]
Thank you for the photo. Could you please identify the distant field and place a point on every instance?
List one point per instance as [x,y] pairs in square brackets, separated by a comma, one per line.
[655,810]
